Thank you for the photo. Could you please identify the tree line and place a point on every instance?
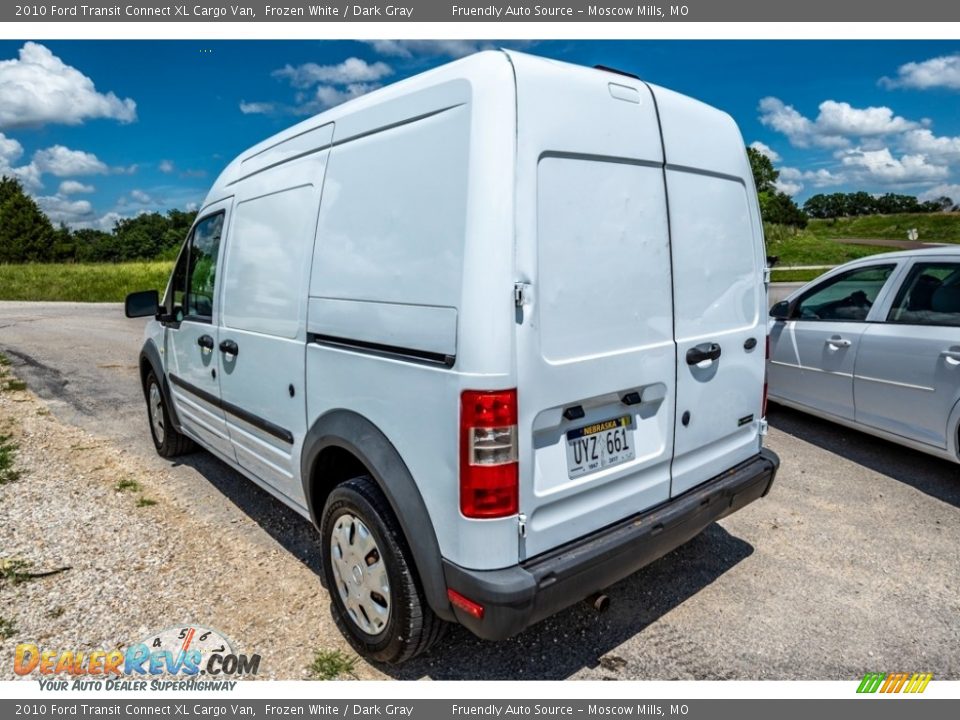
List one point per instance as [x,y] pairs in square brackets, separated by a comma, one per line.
[27,235]
[861,203]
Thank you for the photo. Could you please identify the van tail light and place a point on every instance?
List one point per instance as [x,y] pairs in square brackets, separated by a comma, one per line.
[489,477]
[763,411]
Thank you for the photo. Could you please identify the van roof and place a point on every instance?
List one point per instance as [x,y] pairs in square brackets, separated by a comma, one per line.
[474,67]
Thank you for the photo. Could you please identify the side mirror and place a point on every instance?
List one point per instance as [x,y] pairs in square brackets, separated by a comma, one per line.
[142,304]
[781,311]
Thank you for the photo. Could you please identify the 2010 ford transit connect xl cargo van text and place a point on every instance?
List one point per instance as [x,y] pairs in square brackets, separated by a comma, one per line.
[498,330]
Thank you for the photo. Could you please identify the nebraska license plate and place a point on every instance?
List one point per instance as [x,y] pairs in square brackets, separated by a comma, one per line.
[597,446]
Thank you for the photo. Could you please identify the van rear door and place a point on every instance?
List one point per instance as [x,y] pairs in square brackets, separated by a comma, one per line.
[719,291]
[596,360]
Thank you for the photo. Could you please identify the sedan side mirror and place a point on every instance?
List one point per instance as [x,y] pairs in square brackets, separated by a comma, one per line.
[781,311]
[142,304]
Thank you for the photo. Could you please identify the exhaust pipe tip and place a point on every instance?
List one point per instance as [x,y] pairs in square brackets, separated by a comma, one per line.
[599,602]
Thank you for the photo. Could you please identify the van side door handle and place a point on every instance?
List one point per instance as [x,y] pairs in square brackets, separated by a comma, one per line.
[205,341]
[229,347]
[702,352]
[838,342]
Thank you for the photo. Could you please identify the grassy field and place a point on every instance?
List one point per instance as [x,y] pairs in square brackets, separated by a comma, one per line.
[101,282]
[932,227]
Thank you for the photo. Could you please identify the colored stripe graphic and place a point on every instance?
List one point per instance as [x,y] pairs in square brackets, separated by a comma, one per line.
[894,682]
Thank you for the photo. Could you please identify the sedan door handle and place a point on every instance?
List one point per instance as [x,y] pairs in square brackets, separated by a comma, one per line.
[205,341]
[838,341]
[700,353]
[229,347]
[952,356]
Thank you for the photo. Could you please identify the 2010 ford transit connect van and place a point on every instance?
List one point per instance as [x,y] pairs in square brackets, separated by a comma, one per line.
[498,330]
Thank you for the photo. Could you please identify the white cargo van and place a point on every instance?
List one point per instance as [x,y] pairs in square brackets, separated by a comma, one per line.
[498,330]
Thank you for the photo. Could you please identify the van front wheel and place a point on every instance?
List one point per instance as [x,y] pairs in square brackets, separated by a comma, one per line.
[371,578]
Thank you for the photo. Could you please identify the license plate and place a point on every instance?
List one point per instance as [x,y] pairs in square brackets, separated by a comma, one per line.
[597,446]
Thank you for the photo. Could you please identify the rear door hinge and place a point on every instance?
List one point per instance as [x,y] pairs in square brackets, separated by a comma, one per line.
[521,294]
[522,525]
[767,273]
[763,427]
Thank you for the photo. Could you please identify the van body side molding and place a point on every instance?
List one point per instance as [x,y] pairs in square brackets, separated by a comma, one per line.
[238,412]
[393,352]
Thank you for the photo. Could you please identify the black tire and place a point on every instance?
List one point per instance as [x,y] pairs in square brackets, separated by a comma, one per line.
[168,441]
[412,627]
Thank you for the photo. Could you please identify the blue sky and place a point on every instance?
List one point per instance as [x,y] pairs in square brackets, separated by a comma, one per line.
[99,130]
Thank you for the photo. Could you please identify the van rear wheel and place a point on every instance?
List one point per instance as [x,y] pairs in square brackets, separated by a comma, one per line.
[166,439]
[370,576]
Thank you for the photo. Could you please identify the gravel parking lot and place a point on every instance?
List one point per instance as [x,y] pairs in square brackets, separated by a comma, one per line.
[849,565]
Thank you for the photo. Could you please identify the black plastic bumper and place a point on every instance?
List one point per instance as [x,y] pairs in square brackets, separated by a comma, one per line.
[516,597]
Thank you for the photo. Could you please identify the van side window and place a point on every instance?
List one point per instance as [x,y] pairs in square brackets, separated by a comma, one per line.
[846,297]
[929,296]
[202,267]
[177,292]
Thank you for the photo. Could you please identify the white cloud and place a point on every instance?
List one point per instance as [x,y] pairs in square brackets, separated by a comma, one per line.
[765,150]
[427,48]
[72,187]
[141,197]
[63,210]
[257,108]
[950,190]
[165,166]
[192,207]
[840,118]
[881,166]
[936,72]
[10,152]
[835,124]
[39,88]
[64,162]
[792,180]
[925,142]
[327,96]
[352,70]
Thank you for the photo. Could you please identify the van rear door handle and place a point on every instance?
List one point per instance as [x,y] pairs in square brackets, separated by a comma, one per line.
[952,356]
[229,347]
[700,353]
[205,341]
[837,341]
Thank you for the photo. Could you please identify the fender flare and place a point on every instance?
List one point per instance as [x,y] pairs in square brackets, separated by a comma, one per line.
[352,432]
[151,355]
[953,432]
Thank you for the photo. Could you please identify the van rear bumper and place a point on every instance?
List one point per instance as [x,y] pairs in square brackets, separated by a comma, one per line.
[516,597]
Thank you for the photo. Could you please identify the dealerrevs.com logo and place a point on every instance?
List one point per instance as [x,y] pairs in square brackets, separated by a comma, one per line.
[190,657]
[910,683]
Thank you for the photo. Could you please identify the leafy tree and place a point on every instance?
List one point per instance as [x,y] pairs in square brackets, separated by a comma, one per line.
[775,206]
[26,234]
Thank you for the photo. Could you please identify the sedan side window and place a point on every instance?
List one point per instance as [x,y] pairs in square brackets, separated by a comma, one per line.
[847,297]
[929,296]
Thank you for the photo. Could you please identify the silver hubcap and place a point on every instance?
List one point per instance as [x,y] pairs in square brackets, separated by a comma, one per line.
[360,573]
[155,406]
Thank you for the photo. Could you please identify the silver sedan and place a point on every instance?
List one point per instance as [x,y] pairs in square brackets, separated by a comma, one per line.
[875,345]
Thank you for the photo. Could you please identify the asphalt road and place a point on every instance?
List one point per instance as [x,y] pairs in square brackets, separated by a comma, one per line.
[849,565]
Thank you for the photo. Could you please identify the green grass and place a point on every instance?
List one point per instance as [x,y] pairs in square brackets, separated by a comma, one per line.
[14,385]
[8,450]
[932,227]
[7,628]
[330,665]
[803,247]
[795,275]
[145,502]
[94,282]
[127,484]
